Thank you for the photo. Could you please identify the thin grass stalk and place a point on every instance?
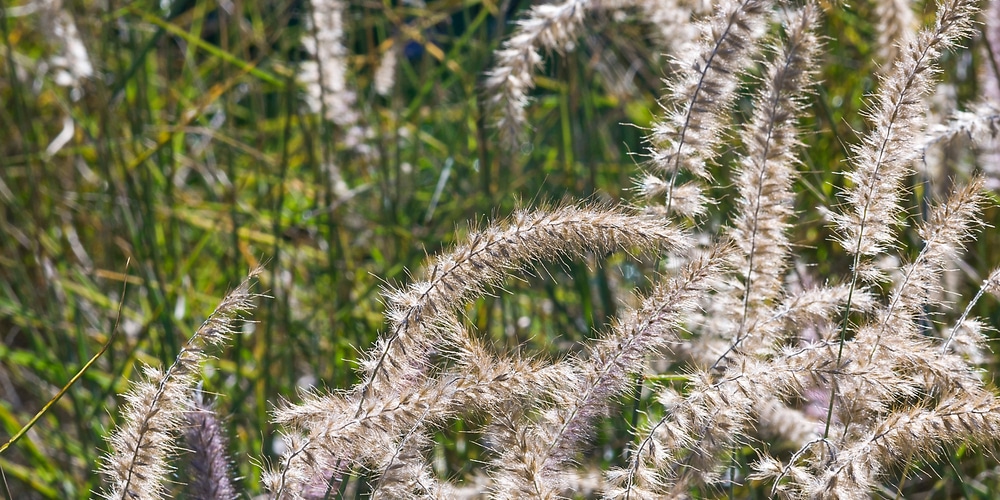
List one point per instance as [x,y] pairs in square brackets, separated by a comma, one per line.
[991,284]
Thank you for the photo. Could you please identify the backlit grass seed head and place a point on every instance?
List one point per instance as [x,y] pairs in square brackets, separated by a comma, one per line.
[137,466]
[550,27]
[685,138]
[398,394]
[884,156]
[545,445]
[325,75]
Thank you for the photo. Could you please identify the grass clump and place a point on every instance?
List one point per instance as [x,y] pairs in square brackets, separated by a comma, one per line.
[771,297]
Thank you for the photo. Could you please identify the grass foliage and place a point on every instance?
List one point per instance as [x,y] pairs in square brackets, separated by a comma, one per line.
[588,248]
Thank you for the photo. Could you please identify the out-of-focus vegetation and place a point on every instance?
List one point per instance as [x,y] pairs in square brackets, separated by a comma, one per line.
[133,196]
